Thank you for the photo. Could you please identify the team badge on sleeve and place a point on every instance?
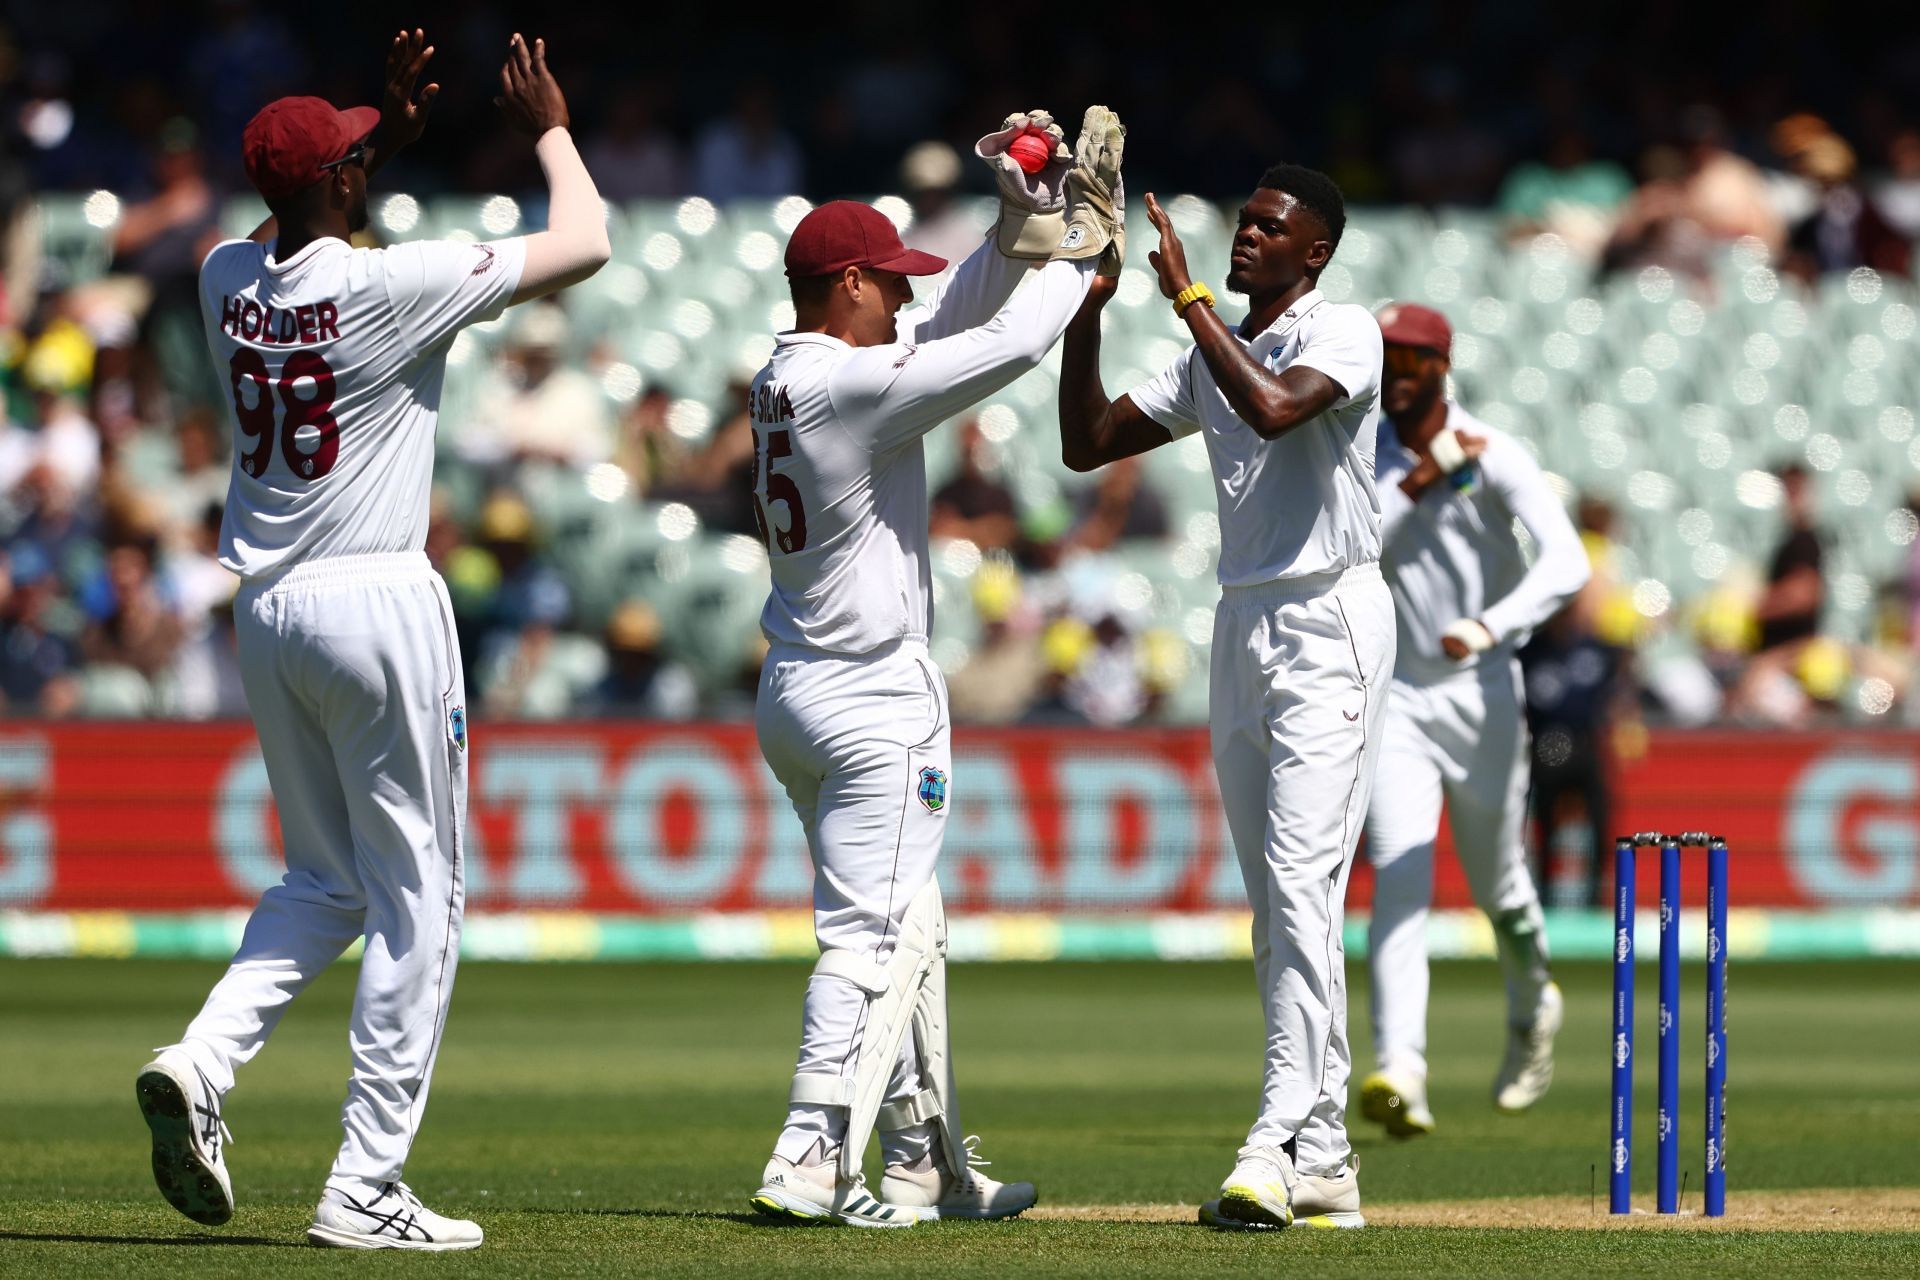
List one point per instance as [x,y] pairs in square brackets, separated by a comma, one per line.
[457,727]
[933,789]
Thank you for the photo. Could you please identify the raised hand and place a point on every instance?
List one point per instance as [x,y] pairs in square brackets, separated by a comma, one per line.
[529,95]
[403,115]
[1039,192]
[1169,261]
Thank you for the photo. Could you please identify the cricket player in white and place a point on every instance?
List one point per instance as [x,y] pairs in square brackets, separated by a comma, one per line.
[1452,490]
[1302,641]
[335,357]
[851,713]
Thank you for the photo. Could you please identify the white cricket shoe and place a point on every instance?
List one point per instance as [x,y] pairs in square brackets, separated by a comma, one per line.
[1323,1203]
[390,1218]
[814,1193]
[942,1195]
[1528,1068]
[189,1140]
[1259,1192]
[1397,1100]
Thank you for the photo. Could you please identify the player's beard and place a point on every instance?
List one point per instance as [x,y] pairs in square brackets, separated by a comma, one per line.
[357,215]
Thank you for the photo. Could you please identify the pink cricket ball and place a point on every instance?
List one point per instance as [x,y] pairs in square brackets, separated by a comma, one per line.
[1031,151]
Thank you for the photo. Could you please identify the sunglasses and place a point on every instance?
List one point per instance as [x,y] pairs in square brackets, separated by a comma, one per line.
[356,154]
[1403,359]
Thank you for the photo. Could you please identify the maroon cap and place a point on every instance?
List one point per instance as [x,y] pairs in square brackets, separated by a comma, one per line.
[1408,324]
[286,144]
[847,233]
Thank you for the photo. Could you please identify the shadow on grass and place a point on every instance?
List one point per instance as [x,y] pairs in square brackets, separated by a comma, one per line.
[686,1215]
[57,1237]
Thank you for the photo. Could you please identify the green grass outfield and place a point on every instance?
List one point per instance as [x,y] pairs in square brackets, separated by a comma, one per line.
[610,1119]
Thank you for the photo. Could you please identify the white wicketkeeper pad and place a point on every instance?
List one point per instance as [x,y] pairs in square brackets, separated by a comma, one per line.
[905,993]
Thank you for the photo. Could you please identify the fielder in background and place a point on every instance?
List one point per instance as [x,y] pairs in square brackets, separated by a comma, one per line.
[335,357]
[1302,641]
[851,712]
[1453,493]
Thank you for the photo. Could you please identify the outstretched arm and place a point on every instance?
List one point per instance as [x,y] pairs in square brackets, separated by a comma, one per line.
[896,392]
[970,297]
[1093,429]
[1271,404]
[574,245]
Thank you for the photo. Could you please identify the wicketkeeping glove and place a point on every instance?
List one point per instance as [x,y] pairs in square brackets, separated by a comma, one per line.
[1116,255]
[1093,187]
[1032,205]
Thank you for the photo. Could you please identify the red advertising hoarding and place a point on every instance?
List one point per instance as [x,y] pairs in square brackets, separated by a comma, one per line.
[670,819]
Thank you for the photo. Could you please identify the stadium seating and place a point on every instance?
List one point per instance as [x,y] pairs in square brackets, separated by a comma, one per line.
[1672,402]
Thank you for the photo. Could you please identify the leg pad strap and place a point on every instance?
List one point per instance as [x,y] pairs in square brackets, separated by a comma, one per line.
[851,967]
[817,1089]
[920,1108]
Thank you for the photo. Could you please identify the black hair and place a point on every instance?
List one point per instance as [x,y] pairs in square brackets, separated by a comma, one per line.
[811,291]
[1315,191]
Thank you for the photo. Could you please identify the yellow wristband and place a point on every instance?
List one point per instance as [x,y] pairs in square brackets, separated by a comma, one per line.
[1195,292]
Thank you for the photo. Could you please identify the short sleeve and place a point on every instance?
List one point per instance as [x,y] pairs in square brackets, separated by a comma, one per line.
[1345,346]
[1168,398]
[438,287]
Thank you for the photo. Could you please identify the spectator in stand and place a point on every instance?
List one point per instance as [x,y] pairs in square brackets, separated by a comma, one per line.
[206,675]
[39,660]
[536,406]
[1788,613]
[974,505]
[715,478]
[1726,194]
[526,586]
[1897,194]
[1107,687]
[203,473]
[1578,690]
[1003,674]
[1796,587]
[640,681]
[1795,195]
[747,154]
[134,626]
[1845,229]
[1120,506]
[1691,201]
[1568,192]
[191,574]
[930,175]
[61,446]
[633,157]
[163,239]
[535,669]
[648,450]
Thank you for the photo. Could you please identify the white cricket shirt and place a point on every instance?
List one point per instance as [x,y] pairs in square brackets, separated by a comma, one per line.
[1455,554]
[333,362]
[1304,503]
[840,479]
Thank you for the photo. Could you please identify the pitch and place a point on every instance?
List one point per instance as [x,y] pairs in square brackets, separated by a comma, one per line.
[612,1120]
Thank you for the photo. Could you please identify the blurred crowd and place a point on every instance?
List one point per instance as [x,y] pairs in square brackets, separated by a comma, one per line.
[1640,147]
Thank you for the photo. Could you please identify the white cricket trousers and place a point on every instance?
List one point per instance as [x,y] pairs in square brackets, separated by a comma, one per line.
[1300,674]
[862,745]
[353,679]
[1462,739]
